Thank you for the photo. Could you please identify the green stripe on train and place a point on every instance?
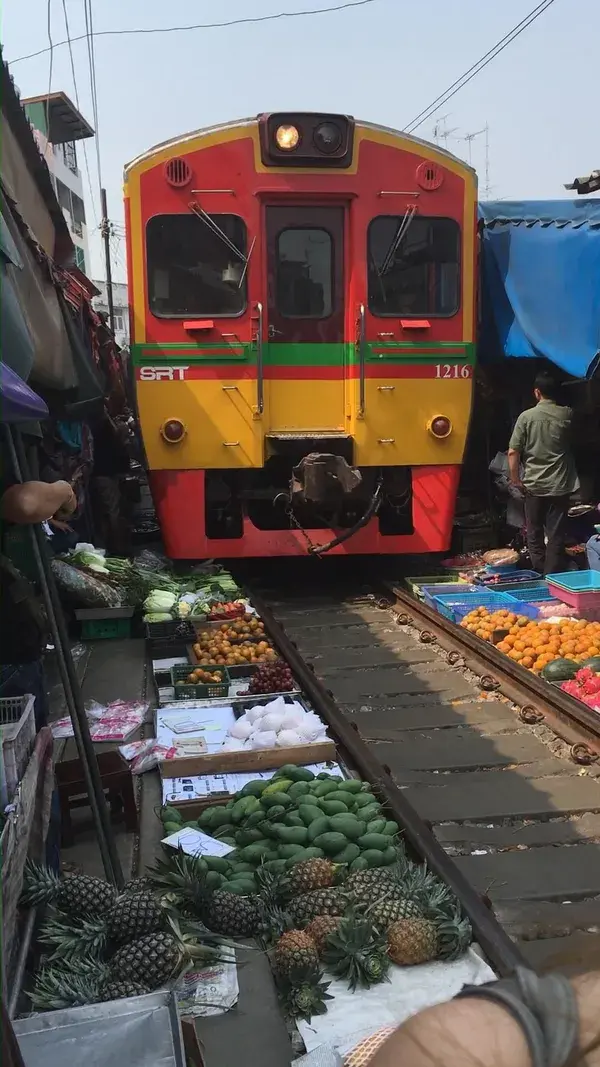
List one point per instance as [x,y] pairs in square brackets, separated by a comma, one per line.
[307,355]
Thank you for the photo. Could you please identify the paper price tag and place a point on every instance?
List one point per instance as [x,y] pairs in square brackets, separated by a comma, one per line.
[195,843]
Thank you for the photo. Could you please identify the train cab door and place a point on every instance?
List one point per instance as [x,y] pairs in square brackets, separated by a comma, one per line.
[304,349]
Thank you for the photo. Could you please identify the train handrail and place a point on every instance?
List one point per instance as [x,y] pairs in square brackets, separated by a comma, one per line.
[361,361]
[260,388]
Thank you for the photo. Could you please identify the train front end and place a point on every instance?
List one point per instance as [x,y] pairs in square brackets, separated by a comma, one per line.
[302,291]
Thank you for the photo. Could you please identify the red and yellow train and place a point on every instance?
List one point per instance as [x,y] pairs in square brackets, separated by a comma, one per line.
[302,291]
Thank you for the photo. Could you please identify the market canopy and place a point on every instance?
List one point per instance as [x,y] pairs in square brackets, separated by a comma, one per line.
[541,282]
[18,403]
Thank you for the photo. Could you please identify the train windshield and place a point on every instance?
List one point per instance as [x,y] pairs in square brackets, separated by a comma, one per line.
[413,266]
[196,265]
[305,273]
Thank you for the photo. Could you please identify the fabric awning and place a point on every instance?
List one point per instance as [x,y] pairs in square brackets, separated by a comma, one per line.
[18,403]
[541,282]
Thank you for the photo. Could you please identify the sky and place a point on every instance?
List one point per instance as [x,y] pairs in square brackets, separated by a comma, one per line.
[383,62]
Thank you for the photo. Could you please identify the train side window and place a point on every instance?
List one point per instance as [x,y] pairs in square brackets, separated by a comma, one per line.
[413,266]
[196,265]
[304,273]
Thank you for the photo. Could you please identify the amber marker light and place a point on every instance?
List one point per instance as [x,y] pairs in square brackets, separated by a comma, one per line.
[287,138]
[440,427]
[173,431]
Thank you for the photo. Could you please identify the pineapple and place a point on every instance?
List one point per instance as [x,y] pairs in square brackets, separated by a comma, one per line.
[139,885]
[356,952]
[293,950]
[155,959]
[363,1053]
[389,909]
[454,935]
[132,916]
[319,902]
[412,941]
[56,989]
[320,928]
[77,894]
[120,990]
[232,915]
[303,993]
[309,875]
[180,878]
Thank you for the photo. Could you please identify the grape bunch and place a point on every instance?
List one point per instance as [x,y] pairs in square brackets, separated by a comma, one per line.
[272,678]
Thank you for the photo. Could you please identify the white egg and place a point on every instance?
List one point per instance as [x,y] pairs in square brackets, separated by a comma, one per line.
[288,738]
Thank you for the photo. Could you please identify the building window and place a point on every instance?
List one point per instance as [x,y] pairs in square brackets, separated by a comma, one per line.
[413,266]
[196,266]
[70,155]
[305,273]
[63,194]
[119,322]
[80,258]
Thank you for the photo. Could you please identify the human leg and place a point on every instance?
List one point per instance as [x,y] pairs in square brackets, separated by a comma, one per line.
[535,517]
[556,525]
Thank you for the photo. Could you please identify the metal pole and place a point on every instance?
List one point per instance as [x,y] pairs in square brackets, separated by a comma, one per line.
[105,230]
[70,682]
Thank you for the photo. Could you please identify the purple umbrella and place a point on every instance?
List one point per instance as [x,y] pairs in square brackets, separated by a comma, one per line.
[18,403]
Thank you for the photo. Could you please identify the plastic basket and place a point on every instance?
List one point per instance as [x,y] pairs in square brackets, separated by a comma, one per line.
[97,624]
[581,600]
[530,592]
[445,588]
[17,731]
[506,582]
[577,581]
[455,607]
[415,585]
[201,691]
[176,631]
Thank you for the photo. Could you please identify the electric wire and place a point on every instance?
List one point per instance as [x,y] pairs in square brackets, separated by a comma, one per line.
[206,25]
[50,65]
[477,67]
[76,92]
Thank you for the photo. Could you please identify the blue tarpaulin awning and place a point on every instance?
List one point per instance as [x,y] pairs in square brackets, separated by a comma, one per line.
[541,282]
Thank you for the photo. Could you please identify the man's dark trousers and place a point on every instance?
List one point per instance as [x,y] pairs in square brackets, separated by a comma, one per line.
[546,515]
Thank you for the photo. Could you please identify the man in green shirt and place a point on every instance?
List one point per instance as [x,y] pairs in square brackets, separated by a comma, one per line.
[541,446]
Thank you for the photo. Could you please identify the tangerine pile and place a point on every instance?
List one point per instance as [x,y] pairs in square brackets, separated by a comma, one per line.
[534,644]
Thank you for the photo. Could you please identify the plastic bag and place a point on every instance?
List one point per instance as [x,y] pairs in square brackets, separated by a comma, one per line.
[145,755]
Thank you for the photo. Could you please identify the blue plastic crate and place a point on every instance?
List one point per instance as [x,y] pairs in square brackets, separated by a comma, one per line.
[507,581]
[577,581]
[446,589]
[455,607]
[530,592]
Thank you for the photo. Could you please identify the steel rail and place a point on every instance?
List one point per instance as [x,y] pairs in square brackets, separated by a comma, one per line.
[578,725]
[502,952]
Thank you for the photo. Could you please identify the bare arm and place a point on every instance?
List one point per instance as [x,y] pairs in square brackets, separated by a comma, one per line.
[34,502]
[514,466]
[479,1033]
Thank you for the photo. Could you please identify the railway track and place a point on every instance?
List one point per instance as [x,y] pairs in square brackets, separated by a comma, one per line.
[494,774]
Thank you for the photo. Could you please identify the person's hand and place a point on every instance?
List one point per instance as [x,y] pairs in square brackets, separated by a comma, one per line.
[69,507]
[516,483]
[57,524]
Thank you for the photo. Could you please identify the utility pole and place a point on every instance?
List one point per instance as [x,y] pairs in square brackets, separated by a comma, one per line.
[105,231]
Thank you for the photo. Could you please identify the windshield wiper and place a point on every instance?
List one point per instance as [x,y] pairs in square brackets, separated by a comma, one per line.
[398,237]
[212,225]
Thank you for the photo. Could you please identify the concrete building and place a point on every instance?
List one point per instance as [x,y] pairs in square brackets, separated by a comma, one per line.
[121,308]
[57,126]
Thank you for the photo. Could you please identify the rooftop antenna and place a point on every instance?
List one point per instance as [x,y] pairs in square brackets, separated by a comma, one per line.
[441,131]
[469,138]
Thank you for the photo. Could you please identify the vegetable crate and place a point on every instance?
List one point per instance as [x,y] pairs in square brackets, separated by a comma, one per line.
[201,690]
[454,607]
[579,589]
[17,736]
[98,624]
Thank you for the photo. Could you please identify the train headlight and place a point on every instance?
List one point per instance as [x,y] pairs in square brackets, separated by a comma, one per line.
[173,431]
[328,137]
[440,427]
[287,138]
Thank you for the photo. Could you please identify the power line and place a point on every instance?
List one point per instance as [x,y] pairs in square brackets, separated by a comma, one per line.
[206,25]
[89,26]
[75,90]
[51,50]
[477,67]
